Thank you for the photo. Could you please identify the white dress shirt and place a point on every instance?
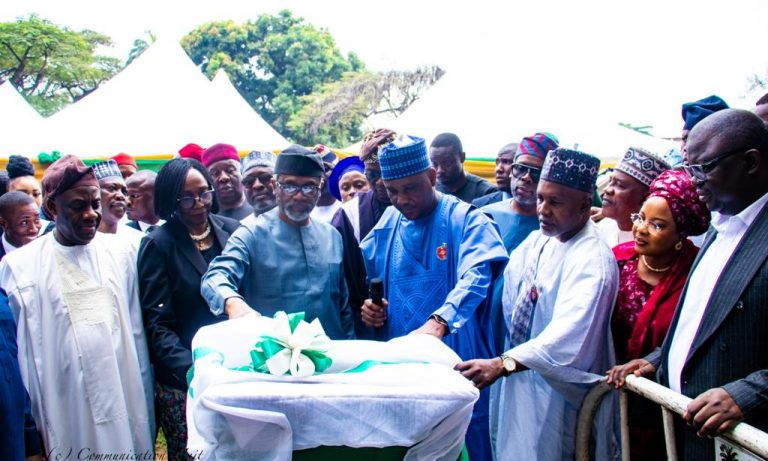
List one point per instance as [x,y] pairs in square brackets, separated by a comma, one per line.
[730,231]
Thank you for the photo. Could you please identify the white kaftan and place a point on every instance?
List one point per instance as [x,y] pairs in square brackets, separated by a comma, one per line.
[569,347]
[78,350]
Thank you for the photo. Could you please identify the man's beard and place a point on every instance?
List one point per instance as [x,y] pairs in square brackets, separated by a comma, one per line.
[296,216]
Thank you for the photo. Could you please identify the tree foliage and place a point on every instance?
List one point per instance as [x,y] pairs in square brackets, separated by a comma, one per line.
[273,61]
[51,65]
[139,46]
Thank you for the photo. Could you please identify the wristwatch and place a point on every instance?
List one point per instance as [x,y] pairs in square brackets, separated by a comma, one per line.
[508,363]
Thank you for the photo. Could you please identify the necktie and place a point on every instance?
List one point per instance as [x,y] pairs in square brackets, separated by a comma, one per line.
[526,304]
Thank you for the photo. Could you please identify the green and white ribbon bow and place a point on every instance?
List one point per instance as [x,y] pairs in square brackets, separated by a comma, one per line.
[292,346]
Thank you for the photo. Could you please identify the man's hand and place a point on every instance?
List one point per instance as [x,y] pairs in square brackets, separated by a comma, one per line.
[596,214]
[482,372]
[235,308]
[432,327]
[639,367]
[713,412]
[374,315]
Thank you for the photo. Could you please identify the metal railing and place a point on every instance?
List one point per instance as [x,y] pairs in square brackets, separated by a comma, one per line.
[743,435]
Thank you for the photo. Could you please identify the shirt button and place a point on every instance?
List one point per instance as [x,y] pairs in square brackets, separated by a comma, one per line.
[723,347]
[456,325]
[740,305]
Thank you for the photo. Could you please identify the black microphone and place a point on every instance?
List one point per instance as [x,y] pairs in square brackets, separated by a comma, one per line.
[376,290]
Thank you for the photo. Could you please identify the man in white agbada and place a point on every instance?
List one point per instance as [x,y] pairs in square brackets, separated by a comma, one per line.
[559,289]
[72,292]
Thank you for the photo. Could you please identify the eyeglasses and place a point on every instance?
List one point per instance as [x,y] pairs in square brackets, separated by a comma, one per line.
[519,170]
[700,171]
[188,202]
[372,175]
[638,220]
[264,179]
[293,189]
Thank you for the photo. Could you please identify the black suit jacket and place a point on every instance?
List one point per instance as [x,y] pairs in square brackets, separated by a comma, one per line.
[170,269]
[730,349]
[497,196]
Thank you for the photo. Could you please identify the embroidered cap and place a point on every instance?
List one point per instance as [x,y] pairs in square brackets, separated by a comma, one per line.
[106,169]
[405,156]
[258,158]
[642,165]
[571,168]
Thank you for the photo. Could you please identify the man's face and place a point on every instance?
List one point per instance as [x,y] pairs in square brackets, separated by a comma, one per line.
[351,184]
[562,210]
[22,224]
[114,199]
[413,196]
[258,188]
[375,181]
[504,162]
[297,205]
[77,213]
[448,164]
[141,200]
[723,189]
[522,181]
[623,196]
[684,143]
[127,170]
[226,182]
[29,185]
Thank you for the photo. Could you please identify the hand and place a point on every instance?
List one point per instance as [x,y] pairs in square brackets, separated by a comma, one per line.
[432,327]
[482,372]
[235,308]
[713,412]
[34,458]
[639,367]
[596,214]
[374,315]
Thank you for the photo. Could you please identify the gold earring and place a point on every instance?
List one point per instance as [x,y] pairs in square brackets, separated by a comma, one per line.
[679,245]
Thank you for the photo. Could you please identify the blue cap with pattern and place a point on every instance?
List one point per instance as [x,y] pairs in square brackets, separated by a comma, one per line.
[571,168]
[405,156]
[106,169]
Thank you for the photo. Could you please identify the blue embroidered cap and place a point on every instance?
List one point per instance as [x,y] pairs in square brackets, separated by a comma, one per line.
[106,169]
[405,156]
[571,168]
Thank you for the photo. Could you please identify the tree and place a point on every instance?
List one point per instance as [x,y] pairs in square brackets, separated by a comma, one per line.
[51,65]
[272,61]
[334,113]
[140,46]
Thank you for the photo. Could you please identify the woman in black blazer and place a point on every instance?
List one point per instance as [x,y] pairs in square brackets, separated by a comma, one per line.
[172,260]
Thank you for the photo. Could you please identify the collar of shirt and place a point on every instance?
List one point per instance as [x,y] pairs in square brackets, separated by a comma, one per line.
[7,245]
[732,224]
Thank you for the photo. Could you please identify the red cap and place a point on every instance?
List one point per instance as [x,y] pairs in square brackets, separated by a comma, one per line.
[218,152]
[124,159]
[192,151]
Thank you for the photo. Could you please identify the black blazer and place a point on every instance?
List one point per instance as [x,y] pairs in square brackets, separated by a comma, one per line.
[494,197]
[730,349]
[170,269]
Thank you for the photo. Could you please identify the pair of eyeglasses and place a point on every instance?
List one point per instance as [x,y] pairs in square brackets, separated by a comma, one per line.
[372,175]
[519,170]
[206,198]
[293,189]
[638,220]
[264,179]
[700,171]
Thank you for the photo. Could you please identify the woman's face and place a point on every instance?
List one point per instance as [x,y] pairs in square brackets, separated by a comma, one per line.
[656,234]
[351,184]
[29,185]
[194,186]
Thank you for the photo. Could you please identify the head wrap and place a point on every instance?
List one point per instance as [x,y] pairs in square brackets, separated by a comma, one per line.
[372,142]
[537,145]
[691,215]
[405,156]
[192,151]
[106,169]
[571,168]
[66,173]
[18,166]
[694,112]
[258,158]
[297,160]
[219,152]
[642,165]
[125,159]
[344,166]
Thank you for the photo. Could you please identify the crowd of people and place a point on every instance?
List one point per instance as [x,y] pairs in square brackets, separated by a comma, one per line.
[557,277]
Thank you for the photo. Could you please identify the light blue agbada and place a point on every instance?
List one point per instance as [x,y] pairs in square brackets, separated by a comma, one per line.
[441,264]
[513,227]
[274,266]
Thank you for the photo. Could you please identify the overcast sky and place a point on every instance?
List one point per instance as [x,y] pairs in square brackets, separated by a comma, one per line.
[648,55]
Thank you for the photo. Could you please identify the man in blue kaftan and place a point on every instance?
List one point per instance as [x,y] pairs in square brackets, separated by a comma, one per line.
[437,257]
